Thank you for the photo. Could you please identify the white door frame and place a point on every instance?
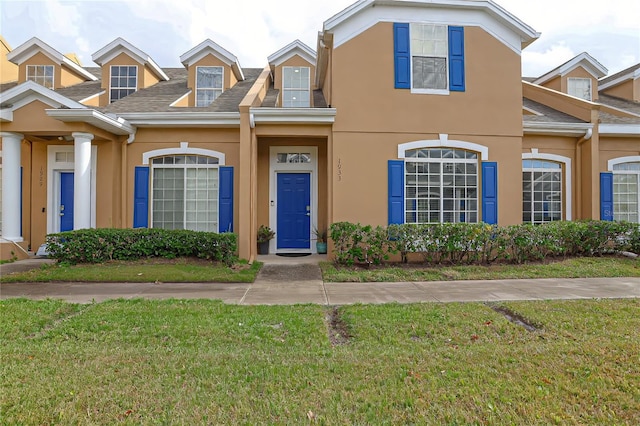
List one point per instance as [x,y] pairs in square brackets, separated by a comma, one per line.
[274,169]
[53,184]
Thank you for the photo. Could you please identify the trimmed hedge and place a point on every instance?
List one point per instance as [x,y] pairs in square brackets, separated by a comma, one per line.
[104,244]
[466,243]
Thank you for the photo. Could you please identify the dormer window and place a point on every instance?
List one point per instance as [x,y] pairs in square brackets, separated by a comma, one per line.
[208,85]
[579,87]
[41,74]
[124,81]
[295,87]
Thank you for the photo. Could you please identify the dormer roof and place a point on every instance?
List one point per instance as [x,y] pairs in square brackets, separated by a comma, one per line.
[631,73]
[584,60]
[207,47]
[296,47]
[120,45]
[485,13]
[34,45]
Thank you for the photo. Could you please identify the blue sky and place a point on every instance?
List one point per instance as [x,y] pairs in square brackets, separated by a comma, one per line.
[253,29]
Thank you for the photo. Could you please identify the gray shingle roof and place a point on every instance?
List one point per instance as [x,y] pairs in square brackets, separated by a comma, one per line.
[619,74]
[7,86]
[608,118]
[620,103]
[549,115]
[78,92]
[159,97]
[271,98]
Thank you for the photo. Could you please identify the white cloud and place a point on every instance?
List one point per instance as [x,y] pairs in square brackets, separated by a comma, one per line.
[63,17]
[534,64]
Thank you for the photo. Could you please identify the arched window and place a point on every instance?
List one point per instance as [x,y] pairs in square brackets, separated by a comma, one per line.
[626,191]
[184,192]
[441,185]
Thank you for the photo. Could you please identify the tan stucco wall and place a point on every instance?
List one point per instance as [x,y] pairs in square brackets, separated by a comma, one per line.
[62,76]
[295,61]
[229,79]
[8,70]
[611,148]
[554,84]
[628,90]
[221,140]
[367,100]
[360,174]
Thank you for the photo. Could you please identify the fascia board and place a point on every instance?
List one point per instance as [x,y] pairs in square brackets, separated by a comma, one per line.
[294,48]
[183,119]
[628,76]
[102,121]
[29,87]
[293,115]
[621,130]
[557,129]
[202,50]
[32,46]
[593,67]
[78,69]
[6,115]
[119,46]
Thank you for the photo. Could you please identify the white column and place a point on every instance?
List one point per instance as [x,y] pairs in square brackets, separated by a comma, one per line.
[11,197]
[82,180]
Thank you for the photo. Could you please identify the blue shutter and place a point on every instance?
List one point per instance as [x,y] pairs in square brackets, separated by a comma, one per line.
[606,196]
[141,198]
[456,59]
[490,192]
[401,56]
[396,191]
[225,200]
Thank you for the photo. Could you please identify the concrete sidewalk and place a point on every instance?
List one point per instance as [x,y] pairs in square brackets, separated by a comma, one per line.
[284,281]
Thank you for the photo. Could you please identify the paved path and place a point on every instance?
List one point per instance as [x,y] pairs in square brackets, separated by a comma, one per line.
[292,281]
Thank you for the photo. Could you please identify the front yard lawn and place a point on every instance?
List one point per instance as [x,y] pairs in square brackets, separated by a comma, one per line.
[203,362]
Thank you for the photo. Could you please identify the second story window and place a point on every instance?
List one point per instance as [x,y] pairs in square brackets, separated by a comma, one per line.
[295,87]
[41,74]
[124,81]
[429,50]
[580,88]
[208,85]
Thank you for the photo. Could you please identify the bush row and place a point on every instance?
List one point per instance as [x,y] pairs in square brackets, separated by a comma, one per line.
[465,243]
[100,245]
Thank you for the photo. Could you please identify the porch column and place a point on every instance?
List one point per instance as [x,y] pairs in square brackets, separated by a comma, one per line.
[82,180]
[11,197]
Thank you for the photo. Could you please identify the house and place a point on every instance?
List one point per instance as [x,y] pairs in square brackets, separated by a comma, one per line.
[407,111]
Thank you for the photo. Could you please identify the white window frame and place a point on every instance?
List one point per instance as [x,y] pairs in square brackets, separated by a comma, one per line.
[289,89]
[622,160]
[442,199]
[533,211]
[32,77]
[212,89]
[576,80]
[135,89]
[567,176]
[445,56]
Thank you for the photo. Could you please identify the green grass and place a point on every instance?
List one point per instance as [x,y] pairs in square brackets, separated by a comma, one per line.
[582,267]
[203,362]
[179,270]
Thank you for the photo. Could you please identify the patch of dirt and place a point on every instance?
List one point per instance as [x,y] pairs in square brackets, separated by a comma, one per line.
[515,317]
[337,329]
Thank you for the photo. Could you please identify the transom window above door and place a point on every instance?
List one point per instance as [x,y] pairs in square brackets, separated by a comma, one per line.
[293,158]
[208,85]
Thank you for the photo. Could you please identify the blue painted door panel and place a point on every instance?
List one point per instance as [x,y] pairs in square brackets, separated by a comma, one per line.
[294,211]
[66,201]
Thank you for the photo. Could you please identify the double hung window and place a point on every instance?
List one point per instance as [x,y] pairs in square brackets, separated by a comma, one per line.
[541,191]
[579,87]
[41,74]
[208,85]
[124,81]
[295,87]
[626,191]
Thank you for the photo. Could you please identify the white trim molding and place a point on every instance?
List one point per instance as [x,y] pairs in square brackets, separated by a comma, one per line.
[293,115]
[588,62]
[444,142]
[621,160]
[296,47]
[207,47]
[623,130]
[183,119]
[184,149]
[605,83]
[118,126]
[557,129]
[120,45]
[568,176]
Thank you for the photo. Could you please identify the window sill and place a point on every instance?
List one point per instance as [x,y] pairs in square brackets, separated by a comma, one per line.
[430,91]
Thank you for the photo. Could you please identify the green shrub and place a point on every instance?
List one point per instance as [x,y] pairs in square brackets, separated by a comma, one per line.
[104,244]
[466,243]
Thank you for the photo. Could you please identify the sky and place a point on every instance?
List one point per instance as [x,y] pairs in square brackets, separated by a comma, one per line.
[253,29]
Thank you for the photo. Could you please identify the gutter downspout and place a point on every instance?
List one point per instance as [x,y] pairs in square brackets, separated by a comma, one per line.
[587,135]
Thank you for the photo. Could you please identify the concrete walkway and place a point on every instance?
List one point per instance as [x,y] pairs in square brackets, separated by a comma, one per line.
[298,280]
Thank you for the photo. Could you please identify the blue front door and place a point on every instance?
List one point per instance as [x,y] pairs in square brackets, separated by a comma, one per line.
[294,211]
[66,201]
